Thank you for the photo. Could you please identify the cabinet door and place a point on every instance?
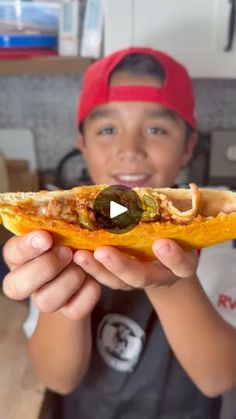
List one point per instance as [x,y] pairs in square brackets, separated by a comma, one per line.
[118,24]
[193,31]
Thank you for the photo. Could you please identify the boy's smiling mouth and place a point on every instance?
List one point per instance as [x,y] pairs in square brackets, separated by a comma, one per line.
[132,179]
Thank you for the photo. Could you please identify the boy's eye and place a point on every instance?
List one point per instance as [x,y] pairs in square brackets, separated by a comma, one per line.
[156,131]
[107,131]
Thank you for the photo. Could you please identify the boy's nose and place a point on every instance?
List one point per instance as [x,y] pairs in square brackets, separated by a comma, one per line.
[131,149]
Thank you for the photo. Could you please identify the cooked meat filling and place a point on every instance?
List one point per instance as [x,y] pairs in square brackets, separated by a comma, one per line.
[155,207]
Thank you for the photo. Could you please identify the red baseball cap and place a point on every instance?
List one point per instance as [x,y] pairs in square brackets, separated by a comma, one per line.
[175,93]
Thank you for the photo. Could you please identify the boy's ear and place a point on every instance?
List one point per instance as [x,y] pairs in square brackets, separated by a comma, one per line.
[81,143]
[189,148]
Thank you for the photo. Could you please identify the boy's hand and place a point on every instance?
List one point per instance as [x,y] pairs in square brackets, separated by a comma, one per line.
[49,275]
[112,268]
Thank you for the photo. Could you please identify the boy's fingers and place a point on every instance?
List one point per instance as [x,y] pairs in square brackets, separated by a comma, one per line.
[183,264]
[174,263]
[19,250]
[53,295]
[133,272]
[23,281]
[86,260]
[83,302]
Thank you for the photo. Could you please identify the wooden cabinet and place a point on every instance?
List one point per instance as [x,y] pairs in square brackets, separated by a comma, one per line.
[44,65]
[195,32]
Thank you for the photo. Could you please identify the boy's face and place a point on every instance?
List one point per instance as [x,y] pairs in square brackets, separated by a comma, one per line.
[135,143]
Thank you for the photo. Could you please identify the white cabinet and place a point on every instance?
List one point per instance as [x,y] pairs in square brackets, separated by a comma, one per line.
[195,32]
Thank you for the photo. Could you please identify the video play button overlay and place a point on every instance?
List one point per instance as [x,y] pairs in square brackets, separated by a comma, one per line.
[117,209]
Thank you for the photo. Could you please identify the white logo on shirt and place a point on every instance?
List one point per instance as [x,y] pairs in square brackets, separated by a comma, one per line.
[120,341]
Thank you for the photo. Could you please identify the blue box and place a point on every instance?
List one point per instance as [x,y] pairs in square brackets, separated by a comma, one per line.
[30,24]
[28,41]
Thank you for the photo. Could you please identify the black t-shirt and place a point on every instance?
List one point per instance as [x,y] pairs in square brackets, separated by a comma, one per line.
[133,372]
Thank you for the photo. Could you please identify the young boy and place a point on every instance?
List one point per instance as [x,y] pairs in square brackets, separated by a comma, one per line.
[127,339]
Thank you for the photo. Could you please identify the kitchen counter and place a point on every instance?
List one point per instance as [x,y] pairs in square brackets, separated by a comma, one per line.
[21,394]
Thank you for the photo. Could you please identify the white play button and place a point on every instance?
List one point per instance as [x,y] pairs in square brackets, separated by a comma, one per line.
[116,209]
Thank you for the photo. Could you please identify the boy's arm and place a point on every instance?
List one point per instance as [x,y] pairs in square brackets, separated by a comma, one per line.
[60,350]
[203,342]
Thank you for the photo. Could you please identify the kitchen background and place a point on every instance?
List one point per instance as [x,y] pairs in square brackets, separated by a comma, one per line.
[201,34]
[46,105]
[43,106]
